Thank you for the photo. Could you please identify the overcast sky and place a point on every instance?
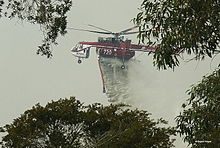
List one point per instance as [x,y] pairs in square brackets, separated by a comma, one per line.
[27,78]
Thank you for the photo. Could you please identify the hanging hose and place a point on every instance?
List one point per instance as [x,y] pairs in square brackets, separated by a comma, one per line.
[103,82]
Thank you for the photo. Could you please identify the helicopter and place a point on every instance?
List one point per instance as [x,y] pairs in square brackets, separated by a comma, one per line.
[110,47]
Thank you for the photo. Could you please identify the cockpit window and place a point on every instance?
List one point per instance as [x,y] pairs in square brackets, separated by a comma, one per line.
[78,46]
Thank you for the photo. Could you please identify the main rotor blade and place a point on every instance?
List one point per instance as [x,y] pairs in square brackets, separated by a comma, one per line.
[126,33]
[99,28]
[137,32]
[128,29]
[91,31]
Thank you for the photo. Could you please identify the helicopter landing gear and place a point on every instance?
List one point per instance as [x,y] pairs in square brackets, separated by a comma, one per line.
[79,61]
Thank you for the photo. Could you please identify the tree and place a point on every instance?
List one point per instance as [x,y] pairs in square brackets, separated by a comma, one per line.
[49,14]
[69,123]
[190,26]
[199,122]
[177,26]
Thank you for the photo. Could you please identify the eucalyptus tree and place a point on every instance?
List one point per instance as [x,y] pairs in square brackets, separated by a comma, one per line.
[68,123]
[50,15]
[178,26]
[199,121]
[191,27]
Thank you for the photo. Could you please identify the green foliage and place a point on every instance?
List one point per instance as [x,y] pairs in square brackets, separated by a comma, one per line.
[193,27]
[1,4]
[55,125]
[68,123]
[175,26]
[199,123]
[49,14]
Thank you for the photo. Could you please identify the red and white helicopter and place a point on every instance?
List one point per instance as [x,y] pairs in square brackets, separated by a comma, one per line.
[110,47]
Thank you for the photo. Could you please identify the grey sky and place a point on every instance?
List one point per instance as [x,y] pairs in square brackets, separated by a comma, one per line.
[26,78]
